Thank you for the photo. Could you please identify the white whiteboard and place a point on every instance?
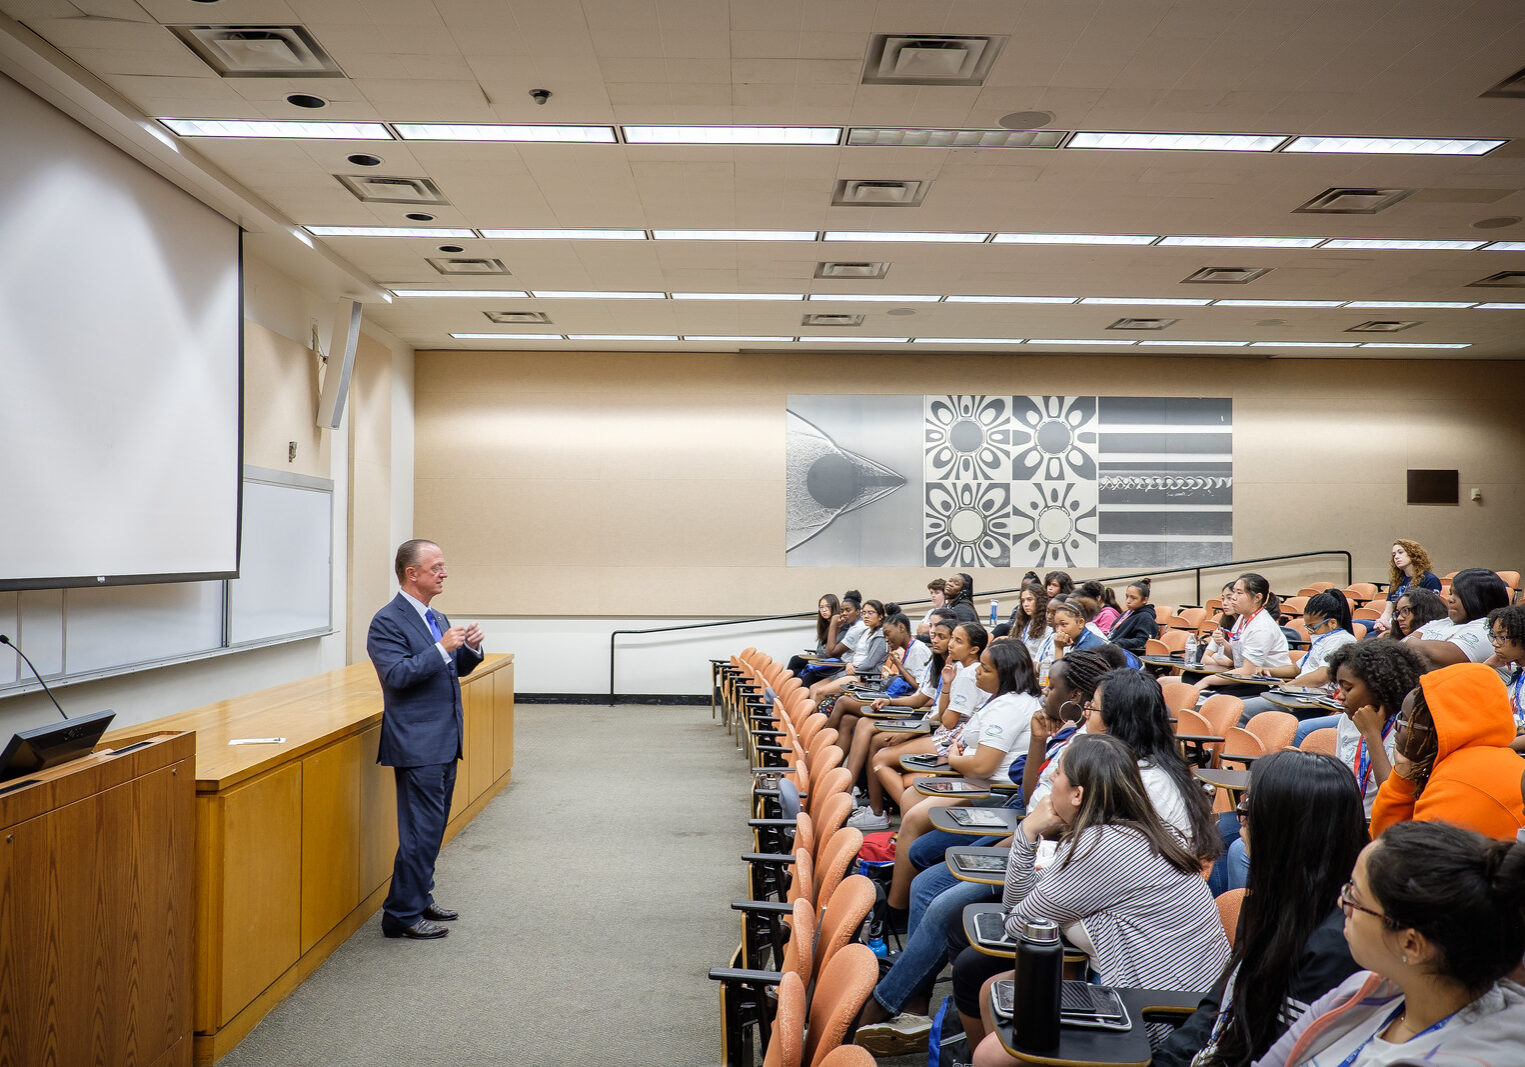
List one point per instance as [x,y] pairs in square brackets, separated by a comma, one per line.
[285,566]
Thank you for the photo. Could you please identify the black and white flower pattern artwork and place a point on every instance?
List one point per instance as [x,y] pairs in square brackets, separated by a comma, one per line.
[1054,438]
[967,438]
[968,524]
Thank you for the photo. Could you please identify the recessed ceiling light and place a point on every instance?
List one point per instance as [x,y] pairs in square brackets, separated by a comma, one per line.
[734,235]
[1180,142]
[907,237]
[966,340]
[1074,239]
[1390,344]
[1242,242]
[390,231]
[844,339]
[591,295]
[739,135]
[507,336]
[451,131]
[1305,344]
[418,216]
[731,337]
[878,298]
[1079,341]
[1408,304]
[1278,303]
[1198,344]
[566,235]
[451,248]
[495,294]
[738,296]
[339,131]
[364,159]
[1497,306]
[1419,146]
[1402,243]
[306,100]
[1167,301]
[1012,299]
[880,136]
[1506,246]
[622,337]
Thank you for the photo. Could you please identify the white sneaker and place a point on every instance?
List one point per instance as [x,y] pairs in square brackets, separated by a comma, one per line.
[903,1034]
[866,820]
[860,798]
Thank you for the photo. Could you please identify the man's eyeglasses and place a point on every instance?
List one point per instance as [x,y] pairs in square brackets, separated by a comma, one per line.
[1348,905]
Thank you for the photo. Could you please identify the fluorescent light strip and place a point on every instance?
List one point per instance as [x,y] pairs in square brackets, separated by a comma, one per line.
[452,131]
[1196,344]
[1180,142]
[877,298]
[1305,344]
[734,235]
[1394,146]
[1011,299]
[508,336]
[738,296]
[966,340]
[622,337]
[1072,341]
[1506,246]
[1278,303]
[1403,243]
[492,294]
[907,237]
[737,135]
[1498,306]
[859,340]
[542,294]
[1241,242]
[1168,301]
[1438,304]
[566,235]
[390,231]
[731,337]
[1074,239]
[1388,344]
[336,131]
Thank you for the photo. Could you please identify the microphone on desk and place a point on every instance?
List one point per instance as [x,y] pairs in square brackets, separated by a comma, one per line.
[4,640]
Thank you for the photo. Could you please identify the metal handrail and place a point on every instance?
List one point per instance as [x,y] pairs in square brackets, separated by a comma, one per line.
[1197,570]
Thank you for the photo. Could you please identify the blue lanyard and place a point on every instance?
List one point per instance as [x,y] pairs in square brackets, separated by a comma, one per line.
[1363,756]
[1348,1061]
[1302,664]
[1515,688]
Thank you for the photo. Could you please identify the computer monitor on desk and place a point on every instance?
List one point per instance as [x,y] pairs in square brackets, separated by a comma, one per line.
[47,746]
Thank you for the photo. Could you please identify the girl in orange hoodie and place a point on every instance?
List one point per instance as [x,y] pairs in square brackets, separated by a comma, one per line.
[1453,761]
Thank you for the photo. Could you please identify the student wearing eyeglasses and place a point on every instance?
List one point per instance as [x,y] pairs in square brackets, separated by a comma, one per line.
[1506,631]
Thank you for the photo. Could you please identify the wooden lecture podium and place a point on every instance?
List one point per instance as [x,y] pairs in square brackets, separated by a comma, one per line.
[294,841]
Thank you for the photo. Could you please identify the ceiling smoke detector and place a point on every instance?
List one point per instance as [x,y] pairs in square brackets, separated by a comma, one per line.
[929,59]
[259,51]
[879,192]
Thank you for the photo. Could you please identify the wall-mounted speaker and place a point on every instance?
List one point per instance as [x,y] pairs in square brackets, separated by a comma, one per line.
[341,364]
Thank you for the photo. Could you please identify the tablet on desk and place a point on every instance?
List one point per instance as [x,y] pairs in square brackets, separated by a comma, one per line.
[990,931]
[950,786]
[926,761]
[980,863]
[1302,690]
[979,817]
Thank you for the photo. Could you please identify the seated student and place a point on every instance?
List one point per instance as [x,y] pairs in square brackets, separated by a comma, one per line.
[842,635]
[1291,945]
[1506,629]
[1107,611]
[826,609]
[1029,624]
[1071,634]
[1463,634]
[959,697]
[1137,624]
[904,664]
[1408,568]
[1327,616]
[958,594]
[1373,678]
[989,740]
[1254,644]
[1058,584]
[1452,762]
[935,594]
[1416,608]
[1122,886]
[1434,914]
[867,655]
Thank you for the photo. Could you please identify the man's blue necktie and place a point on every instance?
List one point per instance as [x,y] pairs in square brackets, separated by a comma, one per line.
[433,621]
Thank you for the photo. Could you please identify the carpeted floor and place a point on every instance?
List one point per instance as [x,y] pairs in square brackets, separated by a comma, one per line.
[594,895]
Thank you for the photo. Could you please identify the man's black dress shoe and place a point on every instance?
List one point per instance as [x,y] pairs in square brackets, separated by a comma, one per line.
[440,915]
[423,930]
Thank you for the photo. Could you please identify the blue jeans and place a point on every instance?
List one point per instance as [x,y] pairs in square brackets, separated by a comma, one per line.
[930,848]
[1232,869]
[1307,726]
[936,924]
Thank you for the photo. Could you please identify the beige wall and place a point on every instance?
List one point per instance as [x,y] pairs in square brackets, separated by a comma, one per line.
[281,404]
[370,480]
[653,484]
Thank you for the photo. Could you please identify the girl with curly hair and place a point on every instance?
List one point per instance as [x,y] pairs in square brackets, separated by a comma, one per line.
[1407,568]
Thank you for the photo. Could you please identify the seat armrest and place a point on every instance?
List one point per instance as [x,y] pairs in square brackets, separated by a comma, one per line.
[763,824]
[746,976]
[763,907]
[782,859]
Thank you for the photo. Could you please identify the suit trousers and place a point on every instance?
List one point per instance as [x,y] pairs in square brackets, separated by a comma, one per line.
[423,808]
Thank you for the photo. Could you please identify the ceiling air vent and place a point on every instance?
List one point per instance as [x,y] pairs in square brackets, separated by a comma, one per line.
[1352,201]
[1377,326]
[380,189]
[851,270]
[1142,324]
[1512,86]
[511,317]
[867,192]
[831,320]
[1504,279]
[1227,275]
[468,266]
[896,137]
[929,59]
[259,51]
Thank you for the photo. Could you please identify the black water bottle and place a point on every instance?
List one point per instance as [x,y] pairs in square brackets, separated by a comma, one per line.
[1040,977]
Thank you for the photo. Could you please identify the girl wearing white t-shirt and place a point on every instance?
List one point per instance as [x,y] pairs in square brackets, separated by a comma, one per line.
[1463,635]
[1327,617]
[1254,645]
[1372,677]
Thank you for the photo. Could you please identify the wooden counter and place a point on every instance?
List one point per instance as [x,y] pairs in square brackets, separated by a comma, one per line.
[294,841]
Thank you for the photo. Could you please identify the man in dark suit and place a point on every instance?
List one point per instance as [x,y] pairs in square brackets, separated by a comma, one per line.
[420,658]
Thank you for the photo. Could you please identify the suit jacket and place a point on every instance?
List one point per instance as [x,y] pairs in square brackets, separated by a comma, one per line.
[421,720]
